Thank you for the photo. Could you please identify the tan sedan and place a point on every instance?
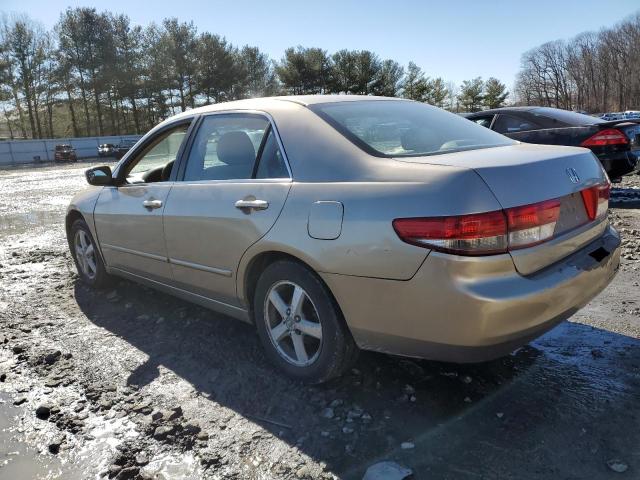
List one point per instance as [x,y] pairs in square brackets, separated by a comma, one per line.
[339,223]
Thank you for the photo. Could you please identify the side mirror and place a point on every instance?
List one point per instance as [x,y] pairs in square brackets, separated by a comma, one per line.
[99,176]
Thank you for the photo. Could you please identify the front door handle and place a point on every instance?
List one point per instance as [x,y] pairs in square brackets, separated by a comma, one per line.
[151,204]
[252,204]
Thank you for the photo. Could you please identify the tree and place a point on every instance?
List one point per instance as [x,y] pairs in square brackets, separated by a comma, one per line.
[128,44]
[470,96]
[96,73]
[436,92]
[367,72]
[216,69]
[388,82]
[415,84]
[258,73]
[26,44]
[304,70]
[343,75]
[495,93]
[180,41]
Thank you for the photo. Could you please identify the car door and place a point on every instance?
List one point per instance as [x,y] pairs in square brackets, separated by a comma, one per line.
[232,188]
[128,217]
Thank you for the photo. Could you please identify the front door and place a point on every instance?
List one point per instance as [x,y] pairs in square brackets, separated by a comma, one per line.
[233,188]
[128,217]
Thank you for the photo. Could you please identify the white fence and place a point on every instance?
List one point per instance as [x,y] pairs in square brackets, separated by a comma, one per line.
[14,152]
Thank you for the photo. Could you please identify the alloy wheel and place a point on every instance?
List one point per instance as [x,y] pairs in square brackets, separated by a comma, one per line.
[85,254]
[293,323]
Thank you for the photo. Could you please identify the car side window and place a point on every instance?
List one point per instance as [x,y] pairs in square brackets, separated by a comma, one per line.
[483,121]
[226,147]
[271,163]
[156,161]
[511,124]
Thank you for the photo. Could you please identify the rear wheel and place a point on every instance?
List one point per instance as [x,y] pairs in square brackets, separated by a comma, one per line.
[300,325]
[86,257]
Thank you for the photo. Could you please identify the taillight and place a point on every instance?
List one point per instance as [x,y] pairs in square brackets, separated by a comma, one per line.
[476,234]
[499,231]
[609,136]
[596,200]
[532,224]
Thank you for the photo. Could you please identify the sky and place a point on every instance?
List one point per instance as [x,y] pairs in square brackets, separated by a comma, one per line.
[456,40]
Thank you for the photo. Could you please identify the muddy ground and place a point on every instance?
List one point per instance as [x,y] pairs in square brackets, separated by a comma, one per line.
[132,383]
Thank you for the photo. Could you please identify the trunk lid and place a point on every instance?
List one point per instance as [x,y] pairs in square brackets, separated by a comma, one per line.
[525,174]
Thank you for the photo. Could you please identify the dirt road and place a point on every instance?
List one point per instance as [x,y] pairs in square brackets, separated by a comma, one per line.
[132,383]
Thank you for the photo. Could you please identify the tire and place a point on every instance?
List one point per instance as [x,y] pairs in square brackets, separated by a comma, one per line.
[329,356]
[95,274]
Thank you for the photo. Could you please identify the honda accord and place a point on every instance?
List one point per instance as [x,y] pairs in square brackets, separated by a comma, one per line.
[340,223]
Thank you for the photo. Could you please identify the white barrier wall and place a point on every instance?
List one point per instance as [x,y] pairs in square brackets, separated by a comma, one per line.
[13,152]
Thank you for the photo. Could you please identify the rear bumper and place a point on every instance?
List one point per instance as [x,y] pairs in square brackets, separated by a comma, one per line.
[467,309]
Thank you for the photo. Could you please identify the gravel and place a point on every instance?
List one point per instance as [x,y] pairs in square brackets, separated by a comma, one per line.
[194,392]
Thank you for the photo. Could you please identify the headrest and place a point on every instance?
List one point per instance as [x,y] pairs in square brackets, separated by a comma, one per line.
[420,140]
[235,148]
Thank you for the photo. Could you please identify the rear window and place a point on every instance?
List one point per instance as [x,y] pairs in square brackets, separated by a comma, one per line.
[565,117]
[396,128]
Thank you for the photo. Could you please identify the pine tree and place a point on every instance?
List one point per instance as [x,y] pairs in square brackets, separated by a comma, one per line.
[495,93]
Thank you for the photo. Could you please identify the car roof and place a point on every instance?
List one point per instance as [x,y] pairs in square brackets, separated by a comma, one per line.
[265,103]
[271,104]
[493,111]
[316,99]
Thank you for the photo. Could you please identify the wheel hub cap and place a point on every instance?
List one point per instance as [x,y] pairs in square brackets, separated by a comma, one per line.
[293,323]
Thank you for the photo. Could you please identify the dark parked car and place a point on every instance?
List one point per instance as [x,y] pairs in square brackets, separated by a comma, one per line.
[616,143]
[106,150]
[123,148]
[65,153]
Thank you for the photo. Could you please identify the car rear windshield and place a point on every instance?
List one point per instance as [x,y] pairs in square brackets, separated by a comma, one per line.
[398,128]
[569,119]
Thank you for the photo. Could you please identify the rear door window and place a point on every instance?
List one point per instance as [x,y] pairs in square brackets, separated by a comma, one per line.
[506,123]
[227,146]
[484,121]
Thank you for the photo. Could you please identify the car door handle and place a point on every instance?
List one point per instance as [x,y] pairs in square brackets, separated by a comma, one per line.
[151,204]
[252,204]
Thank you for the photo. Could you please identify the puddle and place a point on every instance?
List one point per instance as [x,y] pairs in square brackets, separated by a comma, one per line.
[21,461]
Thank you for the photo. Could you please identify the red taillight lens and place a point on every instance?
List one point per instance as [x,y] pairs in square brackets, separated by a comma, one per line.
[476,234]
[532,224]
[596,200]
[498,231]
[610,136]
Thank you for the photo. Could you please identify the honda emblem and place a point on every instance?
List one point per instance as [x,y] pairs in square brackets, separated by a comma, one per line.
[573,175]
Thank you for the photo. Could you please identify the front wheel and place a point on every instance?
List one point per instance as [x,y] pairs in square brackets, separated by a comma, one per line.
[300,325]
[86,256]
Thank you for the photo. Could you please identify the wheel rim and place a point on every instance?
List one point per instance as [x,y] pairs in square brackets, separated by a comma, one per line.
[85,254]
[293,323]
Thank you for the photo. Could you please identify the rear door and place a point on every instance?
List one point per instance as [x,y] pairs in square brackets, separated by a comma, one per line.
[128,217]
[231,190]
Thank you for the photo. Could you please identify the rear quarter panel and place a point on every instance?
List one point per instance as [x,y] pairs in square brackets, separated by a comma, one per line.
[368,245]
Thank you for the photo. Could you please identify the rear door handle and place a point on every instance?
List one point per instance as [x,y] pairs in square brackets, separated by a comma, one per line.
[151,204]
[252,204]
